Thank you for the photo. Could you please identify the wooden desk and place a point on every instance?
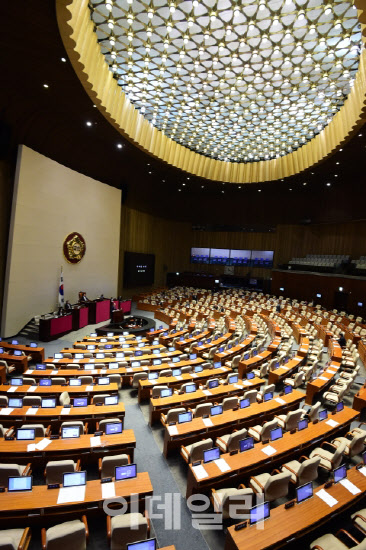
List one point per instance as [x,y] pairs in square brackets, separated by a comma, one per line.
[145,386]
[99,311]
[255,460]
[253,363]
[83,391]
[41,503]
[285,525]
[90,414]
[116,349]
[215,343]
[159,405]
[106,360]
[321,383]
[228,355]
[359,401]
[335,351]
[2,374]
[228,421]
[36,353]
[19,361]
[277,375]
[62,449]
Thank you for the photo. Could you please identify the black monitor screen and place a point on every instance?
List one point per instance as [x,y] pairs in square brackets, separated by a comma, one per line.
[113,428]
[323,414]
[304,492]
[268,396]
[340,406]
[233,379]
[246,444]
[250,375]
[80,402]
[211,454]
[190,388]
[139,269]
[125,472]
[244,403]
[212,384]
[288,389]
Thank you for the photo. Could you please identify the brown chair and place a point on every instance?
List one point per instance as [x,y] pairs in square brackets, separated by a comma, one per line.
[56,468]
[230,442]
[127,528]
[272,486]
[13,470]
[303,470]
[329,460]
[72,534]
[193,452]
[107,464]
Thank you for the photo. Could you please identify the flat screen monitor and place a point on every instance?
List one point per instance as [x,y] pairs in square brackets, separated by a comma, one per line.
[17,352]
[175,359]
[340,473]
[45,382]
[70,432]
[212,384]
[246,444]
[79,356]
[215,410]
[111,400]
[277,364]
[153,375]
[103,381]
[199,343]
[149,544]
[198,368]
[40,366]
[276,433]
[304,492]
[15,402]
[286,360]
[1,350]
[190,388]
[26,434]
[73,479]
[110,334]
[103,340]
[90,347]
[192,356]
[125,332]
[181,338]
[142,345]
[176,372]
[16,382]
[244,403]
[168,392]
[229,346]
[268,396]
[340,406]
[255,352]
[259,513]
[200,255]
[75,382]
[211,454]
[124,346]
[58,355]
[33,345]
[233,378]
[139,269]
[171,348]
[80,402]
[156,361]
[217,365]
[364,457]
[20,483]
[287,389]
[93,334]
[139,353]
[108,346]
[323,415]
[184,417]
[125,472]
[246,356]
[302,424]
[221,349]
[89,366]
[15,342]
[113,428]
[99,355]
[250,375]
[120,355]
[48,403]
[156,351]
[138,338]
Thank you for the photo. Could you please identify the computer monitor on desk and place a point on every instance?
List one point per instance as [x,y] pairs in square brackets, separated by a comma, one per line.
[211,454]
[15,402]
[70,432]
[74,479]
[259,513]
[113,428]
[184,417]
[20,483]
[149,544]
[26,434]
[111,400]
[80,402]
[48,403]
[276,433]
[304,492]
[246,444]
[340,473]
[302,424]
[125,472]
[18,353]
[216,409]
[190,388]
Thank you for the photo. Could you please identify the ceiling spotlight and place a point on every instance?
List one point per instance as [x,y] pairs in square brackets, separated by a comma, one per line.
[88,123]
[119,145]
[63,59]
[328,184]
[45,85]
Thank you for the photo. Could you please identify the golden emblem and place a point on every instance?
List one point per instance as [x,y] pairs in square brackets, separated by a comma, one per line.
[74,248]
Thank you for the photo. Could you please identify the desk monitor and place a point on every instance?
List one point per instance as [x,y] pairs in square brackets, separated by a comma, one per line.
[99,355]
[138,353]
[176,372]
[323,415]
[156,361]
[287,390]
[192,356]
[255,352]
[244,403]
[75,382]
[40,366]
[1,350]
[155,343]
[89,366]
[268,396]
[181,339]
[111,400]
[138,338]
[190,388]
[277,364]
[199,344]
[125,472]
[110,334]
[93,334]
[45,382]
[148,544]
[233,378]
[125,345]
[125,333]
[16,382]
[80,402]
[74,479]
[171,348]
[198,368]
[156,351]
[121,339]
[48,403]
[184,417]
[216,409]
[79,356]
[142,345]
[165,334]
[104,340]
[161,327]
[246,444]
[90,346]
[364,457]
[17,352]
[302,424]
[286,360]
[15,402]
[276,433]
[20,483]
[340,406]
[211,454]
[58,355]
[151,330]
[246,356]
[340,473]
[229,346]
[212,384]
[33,345]
[103,381]
[304,492]
[26,434]
[153,375]
[120,355]
[70,432]
[259,513]
[113,428]
[221,349]
[108,346]
[217,365]
[175,359]
[15,342]
[168,392]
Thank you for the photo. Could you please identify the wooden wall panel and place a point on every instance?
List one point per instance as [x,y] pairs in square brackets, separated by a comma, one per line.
[6,194]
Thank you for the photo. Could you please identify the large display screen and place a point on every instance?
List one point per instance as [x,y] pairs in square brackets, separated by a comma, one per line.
[262,258]
[139,269]
[200,255]
[219,256]
[239,257]
[232,257]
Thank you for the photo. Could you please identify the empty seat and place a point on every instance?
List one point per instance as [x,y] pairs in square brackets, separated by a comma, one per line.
[134,380]
[262,433]
[108,464]
[230,442]
[64,399]
[302,471]
[201,410]
[32,400]
[172,415]
[15,539]
[55,469]
[13,470]
[194,452]
[39,429]
[272,486]
[329,460]
[289,421]
[72,534]
[241,499]
[127,528]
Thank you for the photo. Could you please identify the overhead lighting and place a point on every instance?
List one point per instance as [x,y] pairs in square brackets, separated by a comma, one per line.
[45,85]
[89,123]
[119,145]
[63,59]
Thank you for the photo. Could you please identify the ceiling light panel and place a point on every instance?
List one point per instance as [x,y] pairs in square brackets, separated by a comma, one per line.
[237,81]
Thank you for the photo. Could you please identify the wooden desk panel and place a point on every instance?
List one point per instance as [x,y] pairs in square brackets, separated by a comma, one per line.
[253,363]
[19,361]
[255,460]
[359,401]
[36,353]
[285,525]
[228,421]
[116,349]
[318,385]
[106,360]
[277,375]
[58,390]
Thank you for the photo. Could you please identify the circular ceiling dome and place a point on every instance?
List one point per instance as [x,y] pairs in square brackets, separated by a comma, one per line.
[241,81]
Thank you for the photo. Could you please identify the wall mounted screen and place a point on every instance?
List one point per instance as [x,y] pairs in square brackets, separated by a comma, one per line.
[232,257]
[219,256]
[262,258]
[239,257]
[200,255]
[139,269]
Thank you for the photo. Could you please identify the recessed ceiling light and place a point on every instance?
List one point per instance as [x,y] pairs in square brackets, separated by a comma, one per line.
[202,186]
[94,105]
[336,175]
[222,191]
[239,186]
[290,189]
[341,149]
[337,162]
[150,172]
[259,190]
[188,178]
[183,184]
[305,183]
[63,59]
[359,135]
[179,190]
[328,184]
[88,123]
[45,85]
[119,145]
[163,181]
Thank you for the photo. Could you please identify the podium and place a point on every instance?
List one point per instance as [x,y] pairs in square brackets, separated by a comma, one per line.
[99,311]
